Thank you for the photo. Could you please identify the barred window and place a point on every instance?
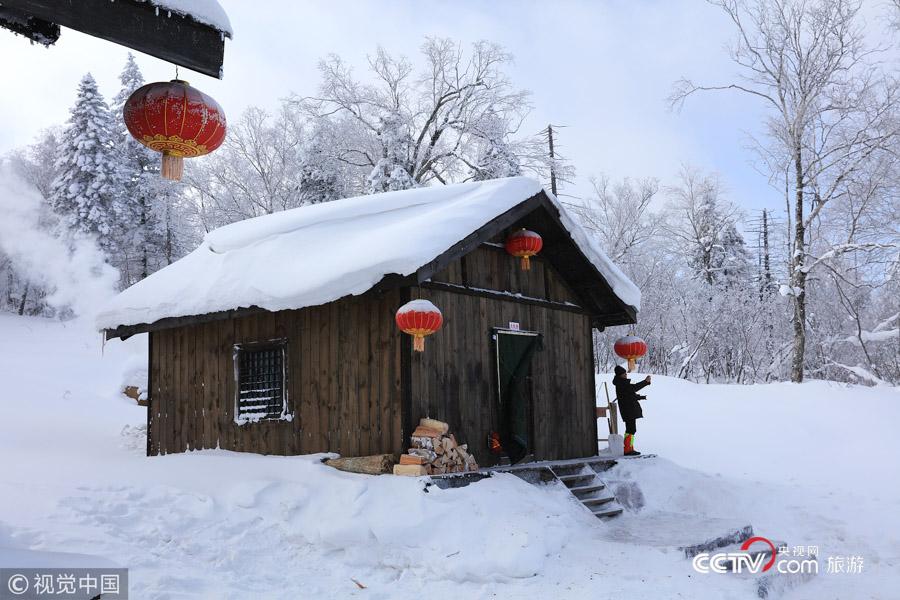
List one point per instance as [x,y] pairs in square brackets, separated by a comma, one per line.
[260,382]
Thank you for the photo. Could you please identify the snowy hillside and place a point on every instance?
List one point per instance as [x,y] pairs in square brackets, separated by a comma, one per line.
[809,464]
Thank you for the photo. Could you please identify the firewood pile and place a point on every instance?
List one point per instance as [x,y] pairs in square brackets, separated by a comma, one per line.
[434,451]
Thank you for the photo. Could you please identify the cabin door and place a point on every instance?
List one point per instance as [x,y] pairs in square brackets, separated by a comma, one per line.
[514,351]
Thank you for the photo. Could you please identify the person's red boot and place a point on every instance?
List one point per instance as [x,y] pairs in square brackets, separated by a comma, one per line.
[629,445]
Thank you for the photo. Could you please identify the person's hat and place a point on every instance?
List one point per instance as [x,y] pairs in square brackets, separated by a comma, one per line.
[619,370]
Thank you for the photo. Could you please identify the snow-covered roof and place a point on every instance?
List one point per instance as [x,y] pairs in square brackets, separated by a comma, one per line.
[316,254]
[208,12]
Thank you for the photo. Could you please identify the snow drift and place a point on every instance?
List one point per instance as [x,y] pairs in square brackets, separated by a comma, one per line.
[77,490]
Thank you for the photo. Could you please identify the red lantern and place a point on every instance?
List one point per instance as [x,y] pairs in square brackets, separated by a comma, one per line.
[524,244]
[630,348]
[419,318]
[177,120]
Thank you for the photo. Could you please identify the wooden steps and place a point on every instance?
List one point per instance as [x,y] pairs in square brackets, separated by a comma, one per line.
[587,487]
[580,477]
[567,479]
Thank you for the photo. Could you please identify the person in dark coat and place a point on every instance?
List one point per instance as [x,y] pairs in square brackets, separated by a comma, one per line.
[629,405]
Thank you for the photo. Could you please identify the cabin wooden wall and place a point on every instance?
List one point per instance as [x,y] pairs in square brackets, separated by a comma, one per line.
[354,384]
[454,379]
[343,381]
[490,267]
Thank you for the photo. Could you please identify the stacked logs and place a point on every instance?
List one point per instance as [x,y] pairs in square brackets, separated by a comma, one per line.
[434,451]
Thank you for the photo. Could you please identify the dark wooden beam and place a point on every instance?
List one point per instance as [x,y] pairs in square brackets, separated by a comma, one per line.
[126,331]
[22,23]
[500,295]
[177,38]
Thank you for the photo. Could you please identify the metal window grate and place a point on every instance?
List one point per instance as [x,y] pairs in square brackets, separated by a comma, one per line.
[260,383]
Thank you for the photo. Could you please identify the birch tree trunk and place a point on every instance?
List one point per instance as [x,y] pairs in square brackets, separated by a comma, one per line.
[832,108]
[798,274]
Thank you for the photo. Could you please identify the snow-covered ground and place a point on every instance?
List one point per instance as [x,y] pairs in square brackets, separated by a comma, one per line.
[812,464]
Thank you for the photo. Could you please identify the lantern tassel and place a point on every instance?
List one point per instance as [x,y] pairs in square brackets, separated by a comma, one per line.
[632,364]
[172,167]
[419,343]
[526,263]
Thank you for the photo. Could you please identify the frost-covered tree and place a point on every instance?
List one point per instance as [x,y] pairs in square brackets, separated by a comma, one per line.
[390,172]
[321,176]
[267,164]
[832,106]
[36,163]
[618,214]
[719,330]
[421,122]
[142,236]
[496,156]
[704,224]
[87,191]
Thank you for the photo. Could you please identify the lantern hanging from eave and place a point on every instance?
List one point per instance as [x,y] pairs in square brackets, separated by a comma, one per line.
[419,318]
[631,348]
[524,244]
[177,120]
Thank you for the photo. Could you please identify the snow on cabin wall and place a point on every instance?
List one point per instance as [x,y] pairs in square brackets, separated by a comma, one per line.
[336,249]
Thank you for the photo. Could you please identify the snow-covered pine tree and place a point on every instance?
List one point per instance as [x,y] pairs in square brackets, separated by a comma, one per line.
[142,234]
[321,179]
[734,269]
[391,172]
[87,192]
[717,253]
[496,157]
[703,258]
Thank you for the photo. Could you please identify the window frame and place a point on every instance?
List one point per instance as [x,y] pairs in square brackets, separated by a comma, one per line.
[273,344]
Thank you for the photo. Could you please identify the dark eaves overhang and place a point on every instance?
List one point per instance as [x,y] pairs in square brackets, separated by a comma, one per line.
[173,37]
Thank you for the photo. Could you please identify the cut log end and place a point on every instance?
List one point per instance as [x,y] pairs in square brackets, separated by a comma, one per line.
[410,470]
[434,448]
[377,464]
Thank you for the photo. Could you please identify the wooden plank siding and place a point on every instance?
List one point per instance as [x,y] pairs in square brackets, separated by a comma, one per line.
[489,267]
[343,381]
[454,379]
[354,384]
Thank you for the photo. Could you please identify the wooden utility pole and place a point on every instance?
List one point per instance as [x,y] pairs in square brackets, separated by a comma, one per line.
[552,158]
[767,273]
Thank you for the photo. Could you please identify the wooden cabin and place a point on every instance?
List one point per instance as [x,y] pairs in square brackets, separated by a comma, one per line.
[277,335]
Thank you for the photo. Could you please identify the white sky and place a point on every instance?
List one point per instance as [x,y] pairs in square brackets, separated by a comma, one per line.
[602,68]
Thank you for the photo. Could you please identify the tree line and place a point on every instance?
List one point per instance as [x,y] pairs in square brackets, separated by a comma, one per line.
[807,290]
